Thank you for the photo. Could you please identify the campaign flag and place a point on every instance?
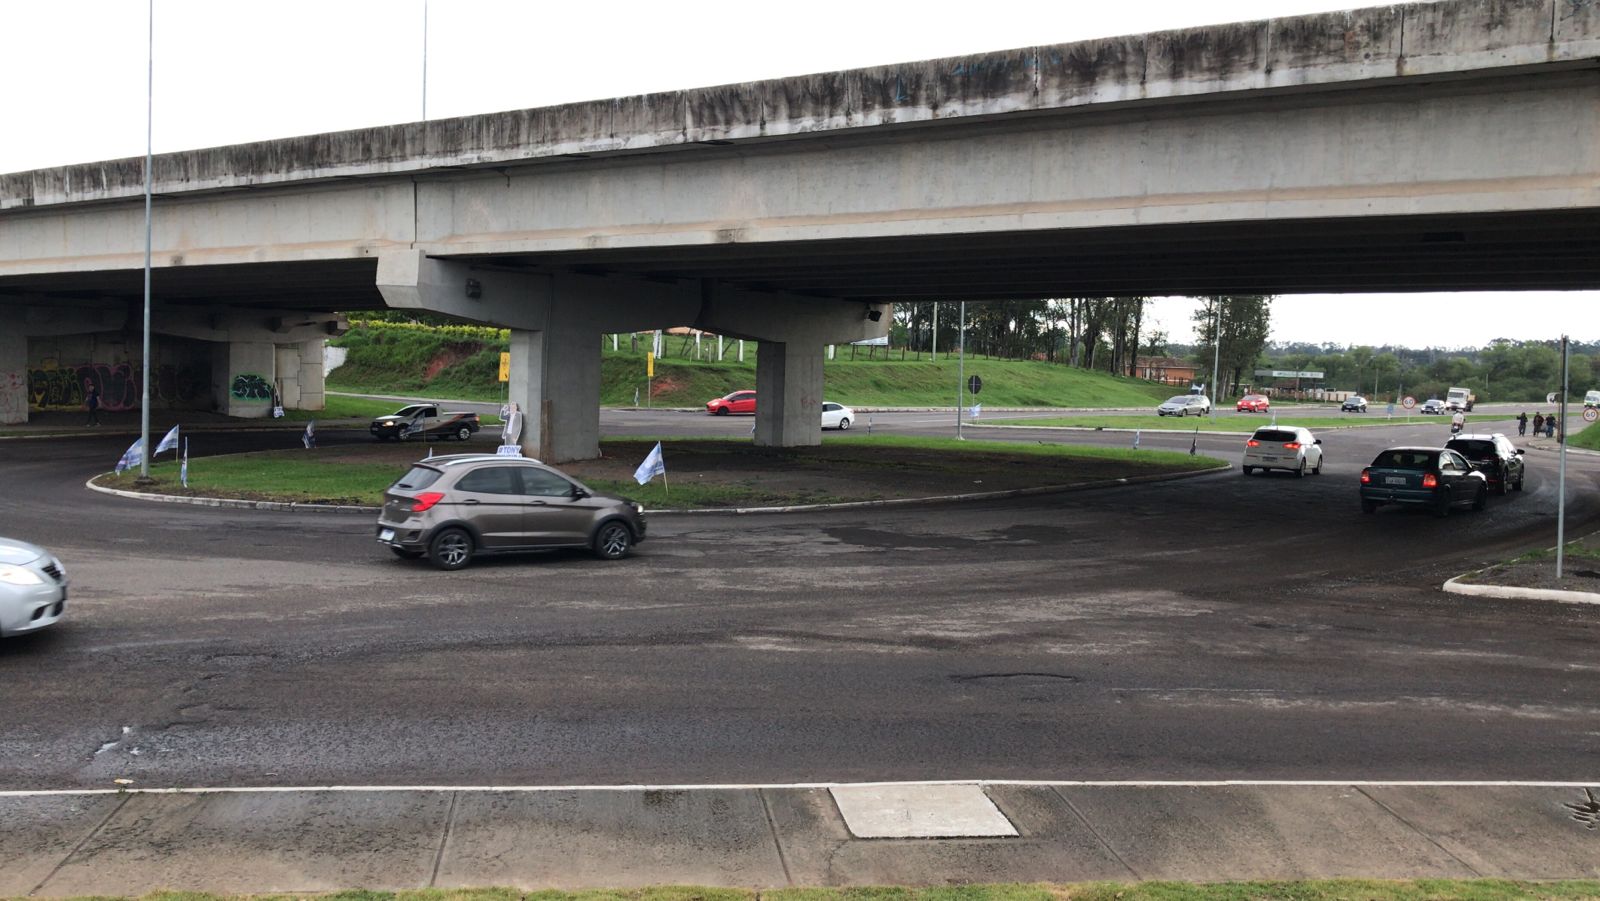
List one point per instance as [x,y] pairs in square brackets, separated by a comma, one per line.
[1194,442]
[309,439]
[183,468]
[974,411]
[430,453]
[1135,439]
[169,443]
[132,457]
[654,464]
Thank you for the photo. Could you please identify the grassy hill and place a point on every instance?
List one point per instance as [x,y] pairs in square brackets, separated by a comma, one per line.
[462,362]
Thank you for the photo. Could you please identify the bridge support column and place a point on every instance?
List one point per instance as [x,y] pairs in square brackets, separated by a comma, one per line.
[555,379]
[245,374]
[13,377]
[788,394]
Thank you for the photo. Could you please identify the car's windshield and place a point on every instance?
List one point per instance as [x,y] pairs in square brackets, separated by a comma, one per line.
[1180,399]
[407,411]
[1406,459]
[1276,435]
[419,477]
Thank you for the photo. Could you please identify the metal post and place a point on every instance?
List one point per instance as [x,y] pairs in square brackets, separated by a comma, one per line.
[1561,482]
[1216,359]
[933,355]
[149,160]
[424,60]
[961,366]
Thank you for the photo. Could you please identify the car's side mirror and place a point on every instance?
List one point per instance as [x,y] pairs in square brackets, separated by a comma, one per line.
[1317,441]
[578,493]
[1519,451]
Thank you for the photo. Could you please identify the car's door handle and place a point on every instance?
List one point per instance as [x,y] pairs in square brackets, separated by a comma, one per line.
[537,504]
[471,501]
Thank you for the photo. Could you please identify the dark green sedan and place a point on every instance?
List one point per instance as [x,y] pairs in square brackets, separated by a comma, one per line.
[1433,477]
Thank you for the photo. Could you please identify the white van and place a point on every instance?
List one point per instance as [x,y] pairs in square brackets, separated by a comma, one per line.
[1592,399]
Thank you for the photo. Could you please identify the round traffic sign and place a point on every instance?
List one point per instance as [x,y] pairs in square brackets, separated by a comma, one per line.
[1590,414]
[974,384]
[1408,402]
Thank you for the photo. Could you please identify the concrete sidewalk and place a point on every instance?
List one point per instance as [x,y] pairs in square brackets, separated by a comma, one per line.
[295,840]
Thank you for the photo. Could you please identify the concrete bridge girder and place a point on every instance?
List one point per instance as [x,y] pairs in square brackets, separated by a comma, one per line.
[556,321]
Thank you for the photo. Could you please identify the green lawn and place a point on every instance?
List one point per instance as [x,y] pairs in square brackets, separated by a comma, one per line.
[1242,424]
[1588,438]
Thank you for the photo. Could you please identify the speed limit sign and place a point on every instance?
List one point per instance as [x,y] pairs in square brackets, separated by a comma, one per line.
[1408,402]
[1590,414]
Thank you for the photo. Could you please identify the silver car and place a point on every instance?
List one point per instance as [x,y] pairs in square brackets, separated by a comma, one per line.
[33,588]
[1185,405]
[456,507]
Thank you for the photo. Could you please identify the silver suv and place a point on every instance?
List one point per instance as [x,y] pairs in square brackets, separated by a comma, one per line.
[453,508]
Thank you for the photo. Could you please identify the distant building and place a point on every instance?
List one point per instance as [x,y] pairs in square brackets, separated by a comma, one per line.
[1166,370]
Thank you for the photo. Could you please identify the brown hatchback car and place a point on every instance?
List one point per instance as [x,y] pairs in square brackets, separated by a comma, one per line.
[453,508]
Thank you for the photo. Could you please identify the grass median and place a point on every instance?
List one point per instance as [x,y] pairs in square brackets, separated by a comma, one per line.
[1241,424]
[701,473]
[1308,890]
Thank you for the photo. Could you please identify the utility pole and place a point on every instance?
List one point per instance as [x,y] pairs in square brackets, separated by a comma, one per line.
[149,169]
[934,353]
[1561,482]
[961,366]
[1216,359]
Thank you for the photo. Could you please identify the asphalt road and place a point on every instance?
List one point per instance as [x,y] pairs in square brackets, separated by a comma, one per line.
[1219,627]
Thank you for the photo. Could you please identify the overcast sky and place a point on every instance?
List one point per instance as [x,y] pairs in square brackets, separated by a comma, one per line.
[228,71]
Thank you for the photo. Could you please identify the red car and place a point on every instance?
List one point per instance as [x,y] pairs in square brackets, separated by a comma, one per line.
[1252,403]
[737,402]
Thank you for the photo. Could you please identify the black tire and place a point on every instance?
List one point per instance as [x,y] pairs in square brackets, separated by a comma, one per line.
[1504,486]
[1300,471]
[450,549]
[722,411]
[404,553]
[1441,507]
[613,540]
[844,424]
[1369,506]
[1318,470]
[1481,501]
[463,433]
[1247,470]
[1518,486]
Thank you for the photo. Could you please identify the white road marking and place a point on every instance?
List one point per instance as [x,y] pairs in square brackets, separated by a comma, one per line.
[1045,783]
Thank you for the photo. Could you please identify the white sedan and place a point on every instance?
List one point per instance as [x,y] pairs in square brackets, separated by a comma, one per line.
[33,588]
[1283,447]
[837,416]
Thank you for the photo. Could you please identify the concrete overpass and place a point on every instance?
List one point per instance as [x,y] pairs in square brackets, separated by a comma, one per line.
[1434,146]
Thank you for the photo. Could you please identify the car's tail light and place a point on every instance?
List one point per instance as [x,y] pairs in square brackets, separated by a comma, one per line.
[426,499]
[1429,480]
[1252,443]
[1366,477]
[1291,445]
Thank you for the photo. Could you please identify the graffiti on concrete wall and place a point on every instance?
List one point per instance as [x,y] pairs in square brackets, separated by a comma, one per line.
[249,386]
[13,397]
[120,385]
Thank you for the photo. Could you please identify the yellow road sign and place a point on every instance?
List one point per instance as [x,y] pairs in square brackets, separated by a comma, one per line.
[649,365]
[505,366]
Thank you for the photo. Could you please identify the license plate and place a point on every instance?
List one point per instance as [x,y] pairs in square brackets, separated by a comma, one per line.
[386,535]
[1395,480]
[1270,459]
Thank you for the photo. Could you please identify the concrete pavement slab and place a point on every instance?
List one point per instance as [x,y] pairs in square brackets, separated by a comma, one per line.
[260,842]
[37,834]
[1209,833]
[611,839]
[1510,832]
[1052,845]
[920,811]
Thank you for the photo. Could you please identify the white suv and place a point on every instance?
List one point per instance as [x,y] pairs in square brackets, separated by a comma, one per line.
[1283,447]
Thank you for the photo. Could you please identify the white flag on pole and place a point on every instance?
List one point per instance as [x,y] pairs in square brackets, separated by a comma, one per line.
[169,443]
[309,439]
[132,457]
[976,408]
[1135,439]
[654,465]
[183,469]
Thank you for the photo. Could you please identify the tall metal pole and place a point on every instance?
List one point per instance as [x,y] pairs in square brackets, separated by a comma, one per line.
[149,118]
[424,60]
[1561,483]
[934,355]
[961,366]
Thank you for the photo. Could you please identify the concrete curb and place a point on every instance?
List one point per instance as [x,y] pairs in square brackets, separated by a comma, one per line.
[1509,592]
[291,507]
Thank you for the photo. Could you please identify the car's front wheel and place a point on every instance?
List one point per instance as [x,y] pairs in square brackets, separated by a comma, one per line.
[613,541]
[451,549]
[844,424]
[1317,471]
[463,433]
[1503,488]
[722,411]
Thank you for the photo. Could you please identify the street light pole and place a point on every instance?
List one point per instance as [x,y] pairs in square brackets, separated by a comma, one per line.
[961,367]
[1216,357]
[149,160]
[1561,482]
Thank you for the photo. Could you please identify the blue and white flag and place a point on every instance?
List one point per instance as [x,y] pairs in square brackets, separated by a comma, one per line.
[132,457]
[183,468]
[973,413]
[654,465]
[309,439]
[169,443]
[1194,443]
[1135,439]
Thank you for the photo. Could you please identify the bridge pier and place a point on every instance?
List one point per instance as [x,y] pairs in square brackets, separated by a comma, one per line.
[13,377]
[788,394]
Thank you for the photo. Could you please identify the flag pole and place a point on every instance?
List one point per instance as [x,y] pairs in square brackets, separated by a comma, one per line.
[149,118]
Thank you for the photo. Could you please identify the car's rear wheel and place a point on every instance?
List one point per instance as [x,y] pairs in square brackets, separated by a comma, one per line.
[1369,506]
[1247,470]
[450,549]
[1481,500]
[404,553]
[613,541]
[1441,505]
[844,424]
[463,433]
[1300,471]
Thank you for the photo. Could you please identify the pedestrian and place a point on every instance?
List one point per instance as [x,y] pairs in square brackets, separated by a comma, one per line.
[92,402]
[1538,424]
[1522,423]
[1550,426]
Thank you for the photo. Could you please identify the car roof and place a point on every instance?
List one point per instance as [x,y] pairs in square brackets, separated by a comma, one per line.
[1475,436]
[446,460]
